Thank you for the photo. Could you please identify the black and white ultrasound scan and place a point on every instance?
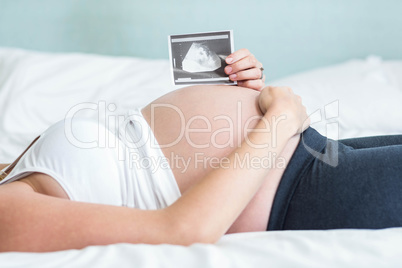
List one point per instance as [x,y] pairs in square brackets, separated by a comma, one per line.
[200,58]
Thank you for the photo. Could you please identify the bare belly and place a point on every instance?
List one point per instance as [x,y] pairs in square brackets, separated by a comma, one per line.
[197,126]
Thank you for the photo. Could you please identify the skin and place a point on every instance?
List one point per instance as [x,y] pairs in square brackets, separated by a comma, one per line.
[36,215]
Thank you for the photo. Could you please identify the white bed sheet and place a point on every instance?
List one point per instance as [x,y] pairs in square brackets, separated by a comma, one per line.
[336,248]
[38,89]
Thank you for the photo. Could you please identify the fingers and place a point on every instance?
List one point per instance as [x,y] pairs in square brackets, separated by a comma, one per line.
[250,74]
[242,64]
[237,55]
[244,68]
[242,60]
[253,84]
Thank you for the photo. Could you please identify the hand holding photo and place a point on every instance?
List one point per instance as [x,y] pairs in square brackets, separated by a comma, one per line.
[200,58]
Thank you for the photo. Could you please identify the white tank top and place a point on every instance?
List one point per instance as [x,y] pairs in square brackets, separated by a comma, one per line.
[93,164]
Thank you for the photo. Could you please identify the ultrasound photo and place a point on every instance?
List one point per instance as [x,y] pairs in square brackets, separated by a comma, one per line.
[200,58]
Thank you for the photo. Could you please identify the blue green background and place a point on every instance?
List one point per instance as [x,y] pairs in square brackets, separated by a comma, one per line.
[288,36]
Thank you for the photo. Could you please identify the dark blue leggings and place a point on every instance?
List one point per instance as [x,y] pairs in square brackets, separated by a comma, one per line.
[353,183]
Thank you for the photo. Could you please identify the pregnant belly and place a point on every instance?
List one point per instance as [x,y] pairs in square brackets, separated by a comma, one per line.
[197,127]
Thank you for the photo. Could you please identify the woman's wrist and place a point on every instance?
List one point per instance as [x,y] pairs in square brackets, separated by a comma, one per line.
[285,107]
[272,130]
[280,123]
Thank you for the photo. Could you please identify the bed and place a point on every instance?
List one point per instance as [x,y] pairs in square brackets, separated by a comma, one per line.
[38,89]
[56,55]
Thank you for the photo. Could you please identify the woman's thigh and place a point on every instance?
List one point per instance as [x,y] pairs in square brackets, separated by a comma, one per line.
[198,126]
[363,190]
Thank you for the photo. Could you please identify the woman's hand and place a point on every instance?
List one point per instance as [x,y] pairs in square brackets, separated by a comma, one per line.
[282,101]
[244,68]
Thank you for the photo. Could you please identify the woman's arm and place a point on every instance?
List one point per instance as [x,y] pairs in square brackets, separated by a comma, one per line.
[35,222]
[212,205]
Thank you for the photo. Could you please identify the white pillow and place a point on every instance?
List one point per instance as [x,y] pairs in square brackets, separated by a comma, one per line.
[356,98]
[39,89]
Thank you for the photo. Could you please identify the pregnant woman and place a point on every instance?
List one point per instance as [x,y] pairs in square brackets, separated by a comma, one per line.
[193,165]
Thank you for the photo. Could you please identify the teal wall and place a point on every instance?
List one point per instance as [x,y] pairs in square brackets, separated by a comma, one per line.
[286,35]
